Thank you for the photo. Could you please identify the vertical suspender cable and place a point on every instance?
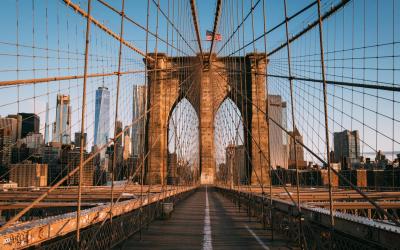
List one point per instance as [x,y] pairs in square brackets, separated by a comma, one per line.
[78,212]
[216,20]
[293,119]
[147,102]
[268,123]
[116,141]
[257,99]
[326,115]
[196,26]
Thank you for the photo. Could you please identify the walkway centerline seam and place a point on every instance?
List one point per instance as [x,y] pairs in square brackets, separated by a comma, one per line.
[207,240]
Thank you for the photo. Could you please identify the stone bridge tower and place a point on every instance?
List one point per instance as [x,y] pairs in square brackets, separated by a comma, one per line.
[242,79]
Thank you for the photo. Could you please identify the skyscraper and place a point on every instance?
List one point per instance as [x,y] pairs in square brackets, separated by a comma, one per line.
[16,130]
[102,119]
[28,174]
[139,104]
[32,140]
[78,138]
[28,148]
[51,156]
[277,137]
[118,147]
[127,144]
[296,153]
[12,126]
[236,164]
[46,128]
[5,149]
[30,123]
[70,159]
[62,125]
[346,147]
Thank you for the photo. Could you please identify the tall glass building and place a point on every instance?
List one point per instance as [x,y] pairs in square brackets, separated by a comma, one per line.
[102,118]
[62,125]
[278,138]
[139,103]
[346,147]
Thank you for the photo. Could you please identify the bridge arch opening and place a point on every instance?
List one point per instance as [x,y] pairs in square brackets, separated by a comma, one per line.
[183,144]
[230,149]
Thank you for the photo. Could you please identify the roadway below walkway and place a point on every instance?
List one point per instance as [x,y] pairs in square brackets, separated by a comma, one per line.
[205,220]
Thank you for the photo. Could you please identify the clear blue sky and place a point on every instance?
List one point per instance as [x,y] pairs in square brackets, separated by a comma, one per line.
[62,31]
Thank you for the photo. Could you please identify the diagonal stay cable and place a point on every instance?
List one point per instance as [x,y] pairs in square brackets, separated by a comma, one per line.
[173,25]
[83,13]
[74,77]
[216,20]
[71,173]
[274,28]
[310,26]
[238,27]
[359,191]
[196,26]
[259,148]
[103,2]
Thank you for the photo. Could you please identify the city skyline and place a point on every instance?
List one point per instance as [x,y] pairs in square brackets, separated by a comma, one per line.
[338,121]
[343,111]
[138,109]
[186,124]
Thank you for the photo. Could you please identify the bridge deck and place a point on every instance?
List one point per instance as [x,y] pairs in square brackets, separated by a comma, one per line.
[188,227]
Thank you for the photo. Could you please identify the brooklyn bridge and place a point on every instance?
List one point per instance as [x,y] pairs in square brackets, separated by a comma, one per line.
[183,124]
